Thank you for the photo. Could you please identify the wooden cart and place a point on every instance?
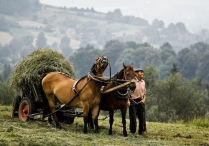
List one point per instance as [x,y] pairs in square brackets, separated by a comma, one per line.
[30,105]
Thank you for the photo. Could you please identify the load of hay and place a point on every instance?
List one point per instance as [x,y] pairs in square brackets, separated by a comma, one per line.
[28,74]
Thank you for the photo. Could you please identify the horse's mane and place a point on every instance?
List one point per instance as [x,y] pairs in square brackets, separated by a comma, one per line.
[118,75]
[93,69]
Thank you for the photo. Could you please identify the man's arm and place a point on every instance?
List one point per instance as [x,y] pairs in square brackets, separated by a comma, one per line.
[144,98]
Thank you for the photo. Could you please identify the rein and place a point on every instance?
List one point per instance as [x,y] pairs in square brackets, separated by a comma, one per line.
[134,102]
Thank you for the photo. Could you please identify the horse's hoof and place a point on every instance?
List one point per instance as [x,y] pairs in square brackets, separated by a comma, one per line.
[85,131]
[110,132]
[125,134]
[58,126]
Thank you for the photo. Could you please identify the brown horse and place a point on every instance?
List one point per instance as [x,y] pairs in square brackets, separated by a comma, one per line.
[118,99]
[84,93]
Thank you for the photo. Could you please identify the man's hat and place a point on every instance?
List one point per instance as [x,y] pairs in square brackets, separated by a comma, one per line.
[138,69]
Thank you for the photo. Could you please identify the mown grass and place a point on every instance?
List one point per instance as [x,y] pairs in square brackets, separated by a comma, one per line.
[38,133]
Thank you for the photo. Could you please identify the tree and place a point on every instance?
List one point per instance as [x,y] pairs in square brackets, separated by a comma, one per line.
[124,57]
[114,16]
[193,61]
[6,71]
[166,66]
[83,58]
[202,70]
[112,50]
[28,40]
[174,69]
[145,55]
[65,46]
[151,74]
[177,99]
[7,93]
[41,41]
[17,6]
[166,51]
[189,65]
[158,24]
[181,27]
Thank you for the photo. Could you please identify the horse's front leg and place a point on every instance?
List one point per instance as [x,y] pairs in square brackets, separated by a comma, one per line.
[85,117]
[123,112]
[90,120]
[95,114]
[111,120]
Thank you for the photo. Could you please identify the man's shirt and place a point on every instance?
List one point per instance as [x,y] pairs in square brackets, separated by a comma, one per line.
[140,90]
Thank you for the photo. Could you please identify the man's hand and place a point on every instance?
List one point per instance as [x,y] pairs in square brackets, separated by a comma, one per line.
[143,100]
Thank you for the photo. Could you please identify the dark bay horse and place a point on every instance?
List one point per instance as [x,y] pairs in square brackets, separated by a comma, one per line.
[118,99]
[83,93]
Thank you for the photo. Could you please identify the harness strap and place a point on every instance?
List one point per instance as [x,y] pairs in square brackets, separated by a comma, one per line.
[77,94]
[102,89]
[73,88]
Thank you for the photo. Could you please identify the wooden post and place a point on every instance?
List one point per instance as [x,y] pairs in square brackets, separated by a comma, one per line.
[118,87]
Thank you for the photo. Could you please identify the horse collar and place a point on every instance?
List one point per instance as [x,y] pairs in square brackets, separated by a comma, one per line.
[75,84]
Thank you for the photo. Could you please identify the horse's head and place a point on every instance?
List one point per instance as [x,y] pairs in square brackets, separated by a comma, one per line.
[129,74]
[101,64]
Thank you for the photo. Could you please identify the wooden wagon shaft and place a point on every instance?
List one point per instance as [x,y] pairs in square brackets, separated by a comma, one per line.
[118,87]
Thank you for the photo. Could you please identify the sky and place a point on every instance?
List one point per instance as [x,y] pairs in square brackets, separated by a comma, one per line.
[193,13]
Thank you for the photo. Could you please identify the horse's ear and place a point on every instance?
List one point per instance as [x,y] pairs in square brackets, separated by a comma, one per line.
[124,65]
[96,58]
[132,65]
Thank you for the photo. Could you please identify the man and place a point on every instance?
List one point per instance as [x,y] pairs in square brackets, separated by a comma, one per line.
[137,106]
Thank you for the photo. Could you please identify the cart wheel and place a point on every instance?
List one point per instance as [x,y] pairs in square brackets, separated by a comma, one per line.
[15,105]
[26,108]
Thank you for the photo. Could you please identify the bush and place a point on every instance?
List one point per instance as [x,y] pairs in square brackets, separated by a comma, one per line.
[7,94]
[200,122]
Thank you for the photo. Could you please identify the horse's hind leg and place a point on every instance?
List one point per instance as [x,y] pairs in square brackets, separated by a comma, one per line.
[123,112]
[51,101]
[46,110]
[111,120]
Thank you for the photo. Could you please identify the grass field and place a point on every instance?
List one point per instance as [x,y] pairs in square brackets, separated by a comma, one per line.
[39,133]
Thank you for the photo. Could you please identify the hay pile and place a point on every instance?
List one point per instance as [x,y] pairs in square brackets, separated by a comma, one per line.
[30,71]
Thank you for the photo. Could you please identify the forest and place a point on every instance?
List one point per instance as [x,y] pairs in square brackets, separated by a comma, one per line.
[175,62]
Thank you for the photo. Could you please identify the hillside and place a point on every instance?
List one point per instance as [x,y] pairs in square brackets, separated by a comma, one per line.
[51,19]
[13,132]
[87,26]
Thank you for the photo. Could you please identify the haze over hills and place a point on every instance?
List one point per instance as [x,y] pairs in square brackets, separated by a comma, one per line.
[194,14]
[96,23]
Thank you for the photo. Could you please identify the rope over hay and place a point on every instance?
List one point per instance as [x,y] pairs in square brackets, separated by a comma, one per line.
[30,71]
